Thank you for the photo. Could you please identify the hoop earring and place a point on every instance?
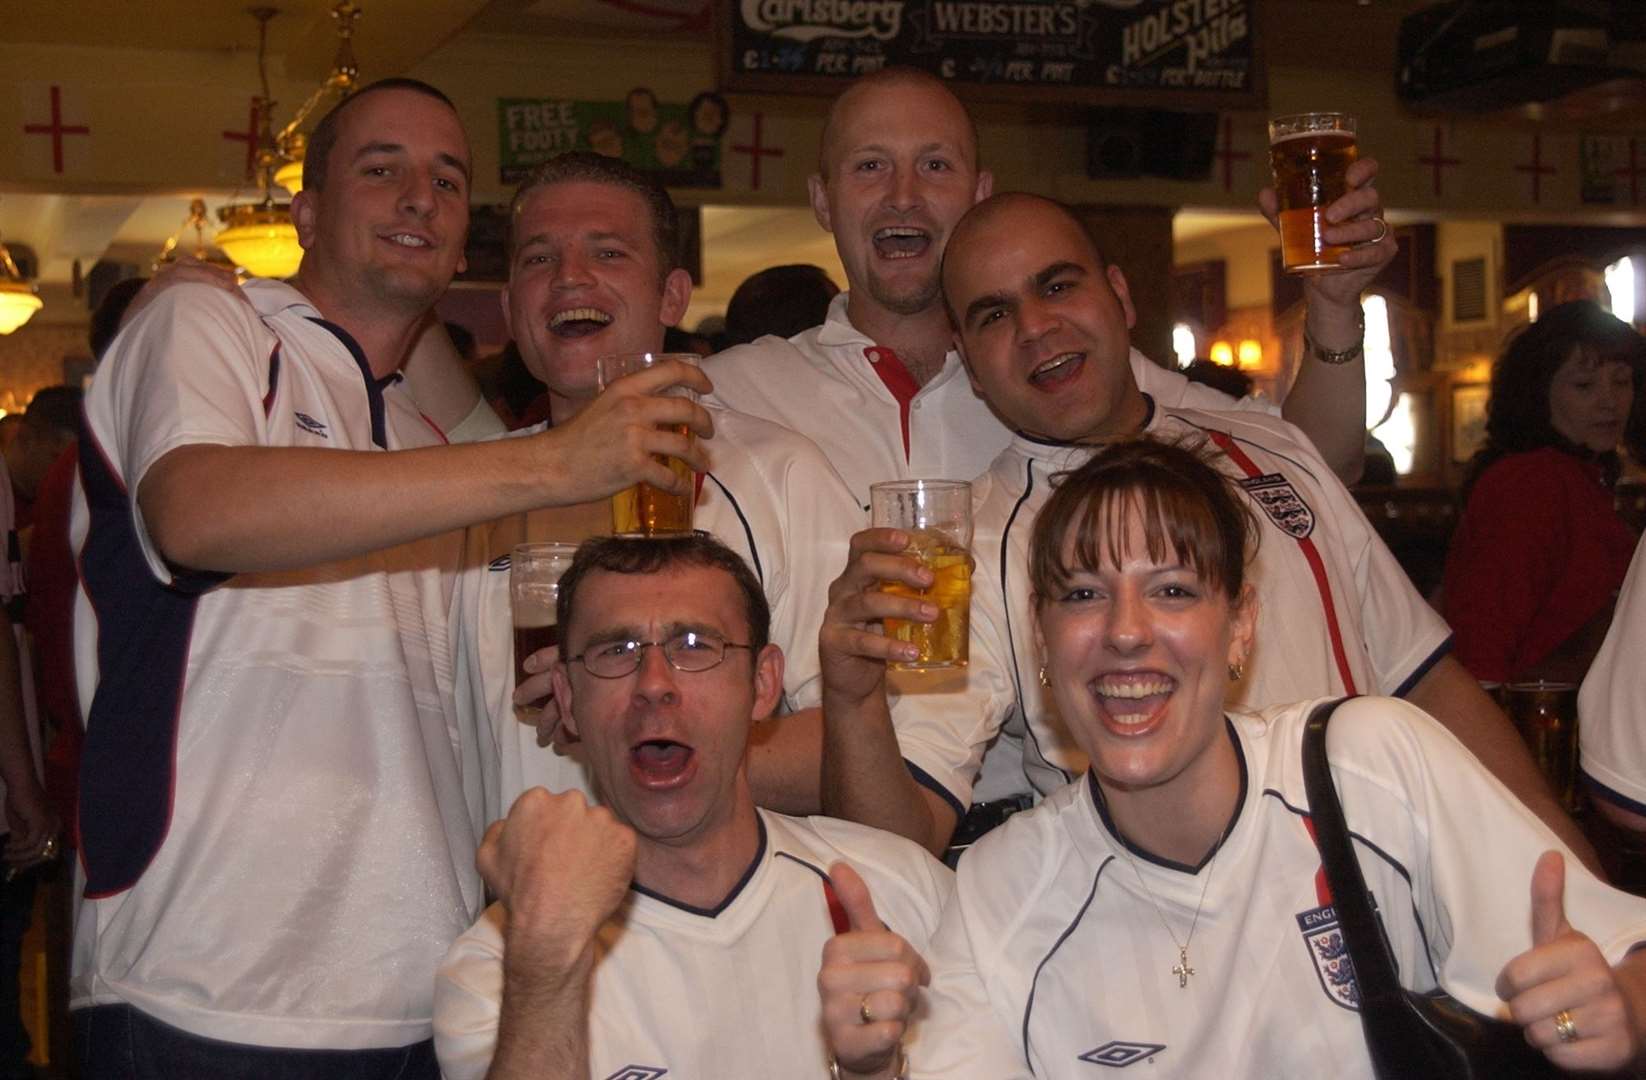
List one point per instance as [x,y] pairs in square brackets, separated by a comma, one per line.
[1043,680]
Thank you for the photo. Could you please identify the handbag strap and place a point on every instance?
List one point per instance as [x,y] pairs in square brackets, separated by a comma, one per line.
[1374,965]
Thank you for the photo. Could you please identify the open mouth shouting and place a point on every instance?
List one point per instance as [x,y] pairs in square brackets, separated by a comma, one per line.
[1132,703]
[901,242]
[662,764]
[1060,369]
[578,322]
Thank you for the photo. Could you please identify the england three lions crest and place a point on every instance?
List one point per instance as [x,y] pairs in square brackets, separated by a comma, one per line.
[1324,939]
[1280,500]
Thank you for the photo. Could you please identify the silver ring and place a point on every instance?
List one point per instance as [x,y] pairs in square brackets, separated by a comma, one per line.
[1565,1028]
[1382,232]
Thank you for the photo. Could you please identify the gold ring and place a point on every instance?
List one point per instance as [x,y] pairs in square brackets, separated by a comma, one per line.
[1564,1027]
[863,1012]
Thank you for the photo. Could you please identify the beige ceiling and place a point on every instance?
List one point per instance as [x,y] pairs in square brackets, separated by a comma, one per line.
[393,35]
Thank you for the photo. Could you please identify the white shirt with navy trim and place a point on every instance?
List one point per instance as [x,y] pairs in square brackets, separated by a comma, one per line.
[730,993]
[314,855]
[1052,959]
[1306,518]
[822,383]
[769,496]
[1612,704]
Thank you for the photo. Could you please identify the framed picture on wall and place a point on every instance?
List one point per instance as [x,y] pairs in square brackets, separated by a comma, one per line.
[1468,420]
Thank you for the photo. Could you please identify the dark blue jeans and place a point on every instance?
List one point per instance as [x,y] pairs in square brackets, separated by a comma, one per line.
[116,1042]
[16,909]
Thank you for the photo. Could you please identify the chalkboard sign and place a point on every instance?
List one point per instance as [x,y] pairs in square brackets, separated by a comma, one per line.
[1175,53]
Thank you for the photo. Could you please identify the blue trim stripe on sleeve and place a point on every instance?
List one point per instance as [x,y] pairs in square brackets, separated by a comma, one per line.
[1442,650]
[1616,798]
[926,780]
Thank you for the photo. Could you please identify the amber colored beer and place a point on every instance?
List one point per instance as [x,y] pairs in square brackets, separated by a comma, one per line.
[643,510]
[942,644]
[1309,175]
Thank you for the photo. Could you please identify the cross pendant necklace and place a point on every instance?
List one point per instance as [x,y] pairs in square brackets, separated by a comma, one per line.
[1182,970]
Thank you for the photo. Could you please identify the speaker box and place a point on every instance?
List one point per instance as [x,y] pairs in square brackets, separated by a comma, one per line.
[1126,144]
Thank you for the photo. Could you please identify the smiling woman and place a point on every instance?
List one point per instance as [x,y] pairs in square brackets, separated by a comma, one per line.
[1165,906]
[1540,552]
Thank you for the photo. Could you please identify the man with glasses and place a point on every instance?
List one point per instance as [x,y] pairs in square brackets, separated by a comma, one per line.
[676,929]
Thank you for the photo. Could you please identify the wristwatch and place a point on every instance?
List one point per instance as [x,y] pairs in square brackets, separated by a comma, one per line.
[1337,356]
[900,1066]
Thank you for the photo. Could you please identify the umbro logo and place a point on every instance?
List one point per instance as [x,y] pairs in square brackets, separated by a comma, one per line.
[638,1072]
[311,425]
[1119,1054]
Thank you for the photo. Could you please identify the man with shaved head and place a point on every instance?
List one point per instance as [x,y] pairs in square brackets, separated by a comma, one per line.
[1042,321]
[876,385]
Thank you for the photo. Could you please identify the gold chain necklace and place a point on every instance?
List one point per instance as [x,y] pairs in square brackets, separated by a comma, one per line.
[1181,969]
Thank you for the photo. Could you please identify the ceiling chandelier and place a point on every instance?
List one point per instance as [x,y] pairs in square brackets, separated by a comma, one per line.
[260,237]
[18,301]
[176,246]
[293,140]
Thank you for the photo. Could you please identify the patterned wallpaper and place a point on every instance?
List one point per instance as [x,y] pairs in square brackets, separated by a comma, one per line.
[32,357]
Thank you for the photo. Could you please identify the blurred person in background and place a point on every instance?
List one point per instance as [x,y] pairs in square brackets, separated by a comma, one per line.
[50,424]
[780,301]
[1540,551]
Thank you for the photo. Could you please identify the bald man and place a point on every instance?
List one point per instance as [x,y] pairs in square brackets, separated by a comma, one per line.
[1043,322]
[877,386]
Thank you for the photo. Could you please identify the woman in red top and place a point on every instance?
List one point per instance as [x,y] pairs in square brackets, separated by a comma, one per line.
[1540,551]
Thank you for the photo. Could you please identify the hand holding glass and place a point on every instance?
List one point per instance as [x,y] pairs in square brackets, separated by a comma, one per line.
[643,510]
[937,515]
[1310,154]
[534,588]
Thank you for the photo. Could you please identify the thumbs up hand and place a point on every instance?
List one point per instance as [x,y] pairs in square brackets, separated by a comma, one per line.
[1569,1001]
[870,984]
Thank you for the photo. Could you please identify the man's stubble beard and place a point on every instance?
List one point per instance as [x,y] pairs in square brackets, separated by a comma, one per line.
[913,301]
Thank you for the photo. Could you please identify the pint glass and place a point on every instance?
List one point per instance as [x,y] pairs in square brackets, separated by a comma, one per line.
[1546,715]
[643,510]
[534,587]
[1310,153]
[937,514]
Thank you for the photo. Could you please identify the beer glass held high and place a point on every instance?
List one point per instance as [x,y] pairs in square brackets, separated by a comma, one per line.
[937,515]
[1310,154]
[534,588]
[643,510]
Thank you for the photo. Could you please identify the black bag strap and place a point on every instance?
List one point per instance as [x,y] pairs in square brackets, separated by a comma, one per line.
[1374,965]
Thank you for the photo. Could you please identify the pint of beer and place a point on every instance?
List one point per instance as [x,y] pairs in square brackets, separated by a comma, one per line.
[534,588]
[643,510]
[1546,715]
[1310,153]
[937,514]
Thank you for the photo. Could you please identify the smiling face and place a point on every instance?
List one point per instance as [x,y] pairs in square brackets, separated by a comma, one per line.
[586,282]
[666,747]
[1138,648]
[388,227]
[1589,401]
[1043,325]
[898,169]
